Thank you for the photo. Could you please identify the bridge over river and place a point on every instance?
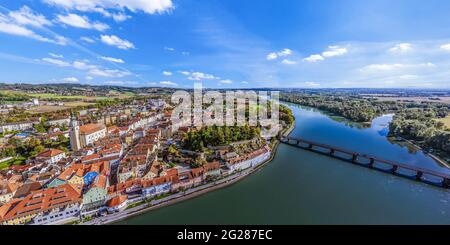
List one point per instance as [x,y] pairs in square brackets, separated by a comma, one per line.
[391,167]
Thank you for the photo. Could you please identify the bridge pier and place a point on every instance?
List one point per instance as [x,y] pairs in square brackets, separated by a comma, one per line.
[419,175]
[446,182]
[332,151]
[354,157]
[394,169]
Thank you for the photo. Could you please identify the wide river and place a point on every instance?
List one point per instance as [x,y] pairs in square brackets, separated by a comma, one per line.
[301,187]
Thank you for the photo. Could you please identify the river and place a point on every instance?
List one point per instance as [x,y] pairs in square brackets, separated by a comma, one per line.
[301,187]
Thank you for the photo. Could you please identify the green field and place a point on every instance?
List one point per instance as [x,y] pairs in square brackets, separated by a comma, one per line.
[446,121]
[67,97]
[7,95]
[14,161]
[12,96]
[55,96]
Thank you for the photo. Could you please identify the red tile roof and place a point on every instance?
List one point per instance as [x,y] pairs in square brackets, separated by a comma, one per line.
[50,153]
[43,200]
[116,201]
[91,128]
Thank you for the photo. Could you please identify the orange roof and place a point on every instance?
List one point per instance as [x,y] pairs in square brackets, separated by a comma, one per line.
[90,157]
[7,207]
[50,153]
[153,131]
[100,181]
[172,172]
[91,128]
[82,169]
[116,201]
[120,187]
[47,199]
[112,128]
[196,172]
[156,181]
[211,166]
[80,172]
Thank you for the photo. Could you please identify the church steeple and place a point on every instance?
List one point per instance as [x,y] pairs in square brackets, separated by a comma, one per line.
[74,134]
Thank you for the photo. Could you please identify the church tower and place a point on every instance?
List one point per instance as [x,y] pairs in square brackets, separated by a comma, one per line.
[74,134]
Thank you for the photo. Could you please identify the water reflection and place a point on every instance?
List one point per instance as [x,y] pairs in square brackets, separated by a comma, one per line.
[301,187]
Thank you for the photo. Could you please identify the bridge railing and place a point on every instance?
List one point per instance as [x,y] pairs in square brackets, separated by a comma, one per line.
[419,171]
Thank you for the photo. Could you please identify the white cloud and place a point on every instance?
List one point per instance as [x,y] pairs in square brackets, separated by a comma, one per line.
[169,49]
[70,80]
[111,59]
[7,25]
[119,82]
[57,56]
[186,73]
[282,53]
[185,53]
[395,67]
[244,82]
[108,73]
[100,6]
[314,58]
[26,16]
[446,47]
[408,77]
[117,42]
[87,39]
[167,73]
[56,62]
[288,62]
[120,17]
[81,22]
[80,65]
[197,76]
[334,51]
[226,81]
[168,83]
[272,56]
[382,67]
[401,47]
[331,52]
[312,84]
[92,70]
[60,40]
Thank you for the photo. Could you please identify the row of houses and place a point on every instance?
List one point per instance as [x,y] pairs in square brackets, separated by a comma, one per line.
[170,181]
[84,190]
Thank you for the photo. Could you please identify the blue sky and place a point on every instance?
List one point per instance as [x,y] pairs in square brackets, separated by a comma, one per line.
[227,43]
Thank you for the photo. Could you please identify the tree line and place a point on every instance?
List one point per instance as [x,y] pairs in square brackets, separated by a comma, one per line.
[217,135]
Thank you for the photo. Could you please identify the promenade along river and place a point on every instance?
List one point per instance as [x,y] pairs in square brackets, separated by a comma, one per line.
[300,187]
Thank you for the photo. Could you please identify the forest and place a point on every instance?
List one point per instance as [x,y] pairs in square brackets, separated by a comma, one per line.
[216,135]
[418,122]
[354,108]
[421,126]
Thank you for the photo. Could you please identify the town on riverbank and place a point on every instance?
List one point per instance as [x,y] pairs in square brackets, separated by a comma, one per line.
[100,164]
